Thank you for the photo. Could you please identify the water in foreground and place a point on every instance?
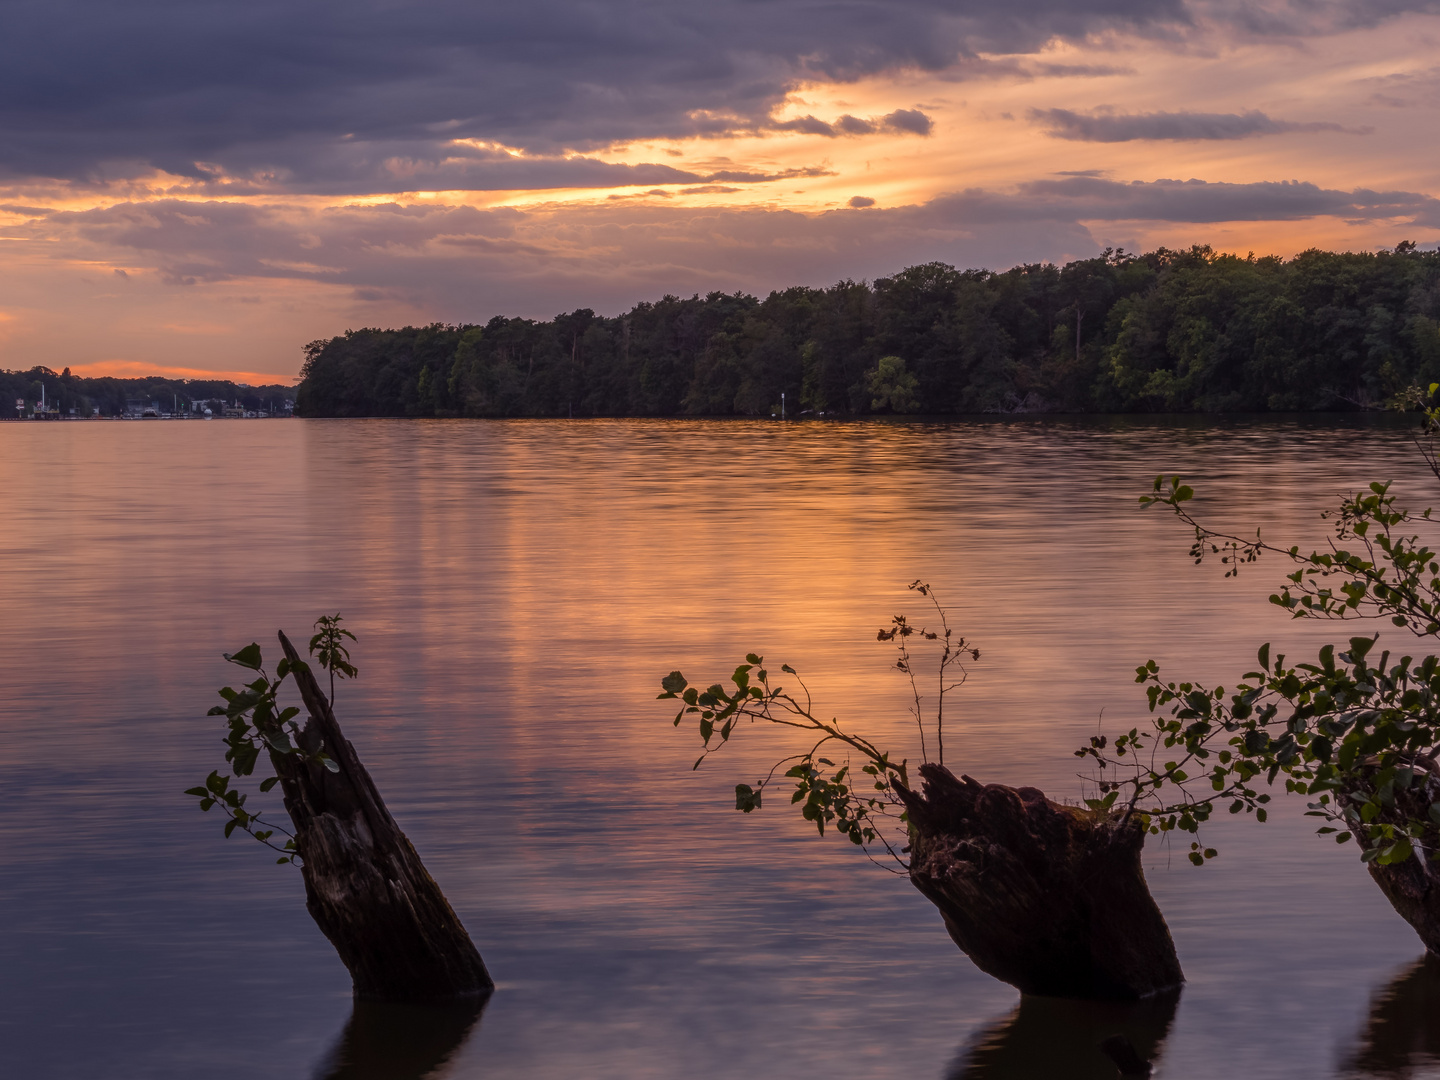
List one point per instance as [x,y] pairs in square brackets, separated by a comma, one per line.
[518,589]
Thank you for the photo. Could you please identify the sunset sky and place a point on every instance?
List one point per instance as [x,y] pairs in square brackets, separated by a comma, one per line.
[201,187]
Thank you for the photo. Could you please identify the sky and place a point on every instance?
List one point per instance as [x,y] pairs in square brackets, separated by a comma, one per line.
[198,187]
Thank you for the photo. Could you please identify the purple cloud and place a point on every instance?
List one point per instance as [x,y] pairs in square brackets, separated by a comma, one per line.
[1104,125]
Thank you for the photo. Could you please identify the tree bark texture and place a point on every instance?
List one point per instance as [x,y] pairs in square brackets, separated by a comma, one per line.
[1413,891]
[365,886]
[1413,885]
[1048,898]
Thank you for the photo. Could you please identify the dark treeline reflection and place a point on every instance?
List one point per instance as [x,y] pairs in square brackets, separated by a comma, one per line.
[1056,1037]
[1167,331]
[385,1041]
[1402,1036]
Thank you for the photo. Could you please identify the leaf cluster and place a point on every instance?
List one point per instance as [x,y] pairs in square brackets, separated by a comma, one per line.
[823,789]
[256,724]
[327,645]
[870,811]
[1359,738]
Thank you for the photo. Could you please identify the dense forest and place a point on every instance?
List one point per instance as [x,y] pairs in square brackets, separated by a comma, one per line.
[1172,331]
[66,392]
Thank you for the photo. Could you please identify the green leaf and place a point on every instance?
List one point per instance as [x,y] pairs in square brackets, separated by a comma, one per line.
[746,798]
[248,657]
[1397,852]
[673,684]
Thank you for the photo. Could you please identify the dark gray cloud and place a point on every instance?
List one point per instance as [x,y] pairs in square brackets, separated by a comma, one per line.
[1305,18]
[1086,198]
[899,122]
[389,168]
[296,91]
[298,94]
[1104,125]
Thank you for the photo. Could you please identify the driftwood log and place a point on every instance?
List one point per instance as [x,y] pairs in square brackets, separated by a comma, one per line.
[365,886]
[1048,898]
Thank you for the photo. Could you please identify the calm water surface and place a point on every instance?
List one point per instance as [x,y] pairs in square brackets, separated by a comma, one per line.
[518,589]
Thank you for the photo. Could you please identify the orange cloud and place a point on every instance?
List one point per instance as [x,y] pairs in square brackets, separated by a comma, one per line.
[134,369]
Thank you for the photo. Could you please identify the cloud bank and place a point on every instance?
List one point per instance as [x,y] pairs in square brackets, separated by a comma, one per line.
[462,263]
[355,92]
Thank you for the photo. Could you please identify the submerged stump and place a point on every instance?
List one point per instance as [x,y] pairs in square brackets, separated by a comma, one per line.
[1048,898]
[1413,889]
[365,886]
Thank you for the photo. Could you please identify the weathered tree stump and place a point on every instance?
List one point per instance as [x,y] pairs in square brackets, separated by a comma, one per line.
[365,886]
[1048,898]
[1413,889]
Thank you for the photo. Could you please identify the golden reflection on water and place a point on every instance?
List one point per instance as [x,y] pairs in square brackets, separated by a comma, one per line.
[518,590]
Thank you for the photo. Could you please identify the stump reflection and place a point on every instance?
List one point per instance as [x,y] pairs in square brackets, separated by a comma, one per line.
[396,1041]
[1061,1037]
[1402,1035]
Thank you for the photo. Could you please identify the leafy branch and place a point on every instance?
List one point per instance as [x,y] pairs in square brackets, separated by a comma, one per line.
[1388,574]
[1360,739]
[870,813]
[256,724]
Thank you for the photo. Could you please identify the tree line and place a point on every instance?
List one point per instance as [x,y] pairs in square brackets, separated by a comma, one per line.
[1166,331]
[65,392]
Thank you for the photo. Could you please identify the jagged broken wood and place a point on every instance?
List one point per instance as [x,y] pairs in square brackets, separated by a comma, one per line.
[1046,897]
[365,886]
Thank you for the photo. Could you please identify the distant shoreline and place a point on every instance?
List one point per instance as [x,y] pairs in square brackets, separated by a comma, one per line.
[1164,332]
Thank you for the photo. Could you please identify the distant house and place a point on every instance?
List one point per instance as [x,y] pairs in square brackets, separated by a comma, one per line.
[140,408]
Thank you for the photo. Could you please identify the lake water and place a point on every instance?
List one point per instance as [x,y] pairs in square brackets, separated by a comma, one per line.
[518,589]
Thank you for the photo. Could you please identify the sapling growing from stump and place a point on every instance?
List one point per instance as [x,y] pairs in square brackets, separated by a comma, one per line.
[1357,733]
[365,886]
[1047,897]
